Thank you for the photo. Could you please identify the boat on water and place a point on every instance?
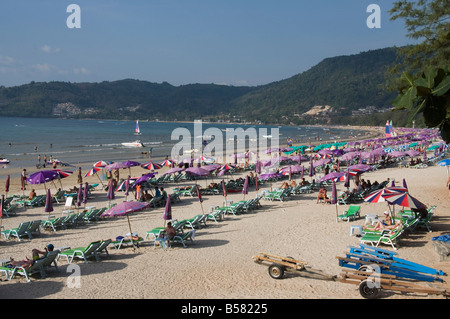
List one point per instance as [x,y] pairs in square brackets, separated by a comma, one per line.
[137,131]
[136,143]
[4,161]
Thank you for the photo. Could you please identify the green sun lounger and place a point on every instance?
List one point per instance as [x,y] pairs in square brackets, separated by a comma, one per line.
[81,252]
[352,213]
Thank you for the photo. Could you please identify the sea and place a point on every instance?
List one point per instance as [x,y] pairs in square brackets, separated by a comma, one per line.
[74,141]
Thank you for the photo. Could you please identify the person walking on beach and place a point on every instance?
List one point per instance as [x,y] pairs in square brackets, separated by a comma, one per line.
[24,178]
[79,178]
[39,159]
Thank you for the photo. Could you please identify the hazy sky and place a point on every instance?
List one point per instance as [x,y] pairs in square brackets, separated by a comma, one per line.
[233,42]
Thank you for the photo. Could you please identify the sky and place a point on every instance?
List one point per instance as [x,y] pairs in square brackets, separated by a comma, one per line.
[230,42]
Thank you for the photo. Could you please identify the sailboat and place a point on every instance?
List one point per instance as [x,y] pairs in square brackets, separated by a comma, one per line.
[138,131]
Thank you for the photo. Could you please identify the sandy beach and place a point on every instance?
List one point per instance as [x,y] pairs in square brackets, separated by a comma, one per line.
[218,264]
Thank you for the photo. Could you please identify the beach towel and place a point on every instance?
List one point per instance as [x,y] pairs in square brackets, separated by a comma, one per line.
[444,238]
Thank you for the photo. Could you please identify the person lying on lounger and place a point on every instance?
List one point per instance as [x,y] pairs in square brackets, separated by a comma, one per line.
[21,263]
[386,223]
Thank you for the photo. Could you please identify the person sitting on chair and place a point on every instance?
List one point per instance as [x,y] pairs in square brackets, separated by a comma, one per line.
[323,195]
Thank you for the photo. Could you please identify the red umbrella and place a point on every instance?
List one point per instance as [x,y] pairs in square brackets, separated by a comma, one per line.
[166,163]
[151,166]
[404,200]
[92,171]
[100,164]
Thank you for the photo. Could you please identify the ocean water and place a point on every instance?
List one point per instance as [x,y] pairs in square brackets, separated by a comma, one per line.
[84,141]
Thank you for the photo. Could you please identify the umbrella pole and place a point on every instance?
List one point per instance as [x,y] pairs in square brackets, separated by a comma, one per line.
[99,179]
[131,234]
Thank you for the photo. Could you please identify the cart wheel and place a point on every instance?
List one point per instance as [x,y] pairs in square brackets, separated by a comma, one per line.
[367,290]
[276,271]
[366,268]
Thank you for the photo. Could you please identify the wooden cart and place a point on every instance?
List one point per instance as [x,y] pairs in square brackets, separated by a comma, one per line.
[371,284]
[279,265]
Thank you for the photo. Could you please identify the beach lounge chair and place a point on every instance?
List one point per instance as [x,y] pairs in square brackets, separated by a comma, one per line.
[125,242]
[352,213]
[53,223]
[103,248]
[50,260]
[69,221]
[81,252]
[36,267]
[387,237]
[34,228]
[156,201]
[59,196]
[182,239]
[155,232]
[196,221]
[188,192]
[10,210]
[17,232]
[216,216]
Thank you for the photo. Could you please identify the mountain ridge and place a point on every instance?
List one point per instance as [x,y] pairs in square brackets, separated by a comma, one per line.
[346,83]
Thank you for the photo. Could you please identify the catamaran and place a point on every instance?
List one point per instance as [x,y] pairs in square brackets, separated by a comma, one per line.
[138,131]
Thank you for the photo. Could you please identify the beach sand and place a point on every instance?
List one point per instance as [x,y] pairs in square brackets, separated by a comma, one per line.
[219,263]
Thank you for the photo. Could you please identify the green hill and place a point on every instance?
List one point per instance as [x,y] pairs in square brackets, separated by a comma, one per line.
[345,83]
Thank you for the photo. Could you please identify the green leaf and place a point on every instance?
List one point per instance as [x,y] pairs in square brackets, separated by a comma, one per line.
[408,78]
[417,110]
[442,87]
[430,73]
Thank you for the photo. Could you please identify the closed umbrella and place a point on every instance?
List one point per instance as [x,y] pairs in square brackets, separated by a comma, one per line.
[2,204]
[200,199]
[110,195]
[167,211]
[334,199]
[80,196]
[245,188]
[7,185]
[224,190]
[48,203]
[85,193]
[347,179]
[311,168]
